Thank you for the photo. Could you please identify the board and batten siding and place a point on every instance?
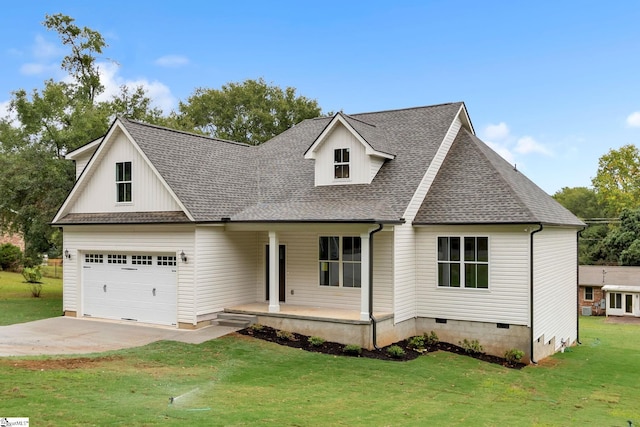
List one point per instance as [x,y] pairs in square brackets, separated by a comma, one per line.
[506,300]
[360,167]
[405,240]
[79,240]
[555,284]
[302,280]
[99,193]
[225,273]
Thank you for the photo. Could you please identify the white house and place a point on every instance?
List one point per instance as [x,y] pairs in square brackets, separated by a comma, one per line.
[363,229]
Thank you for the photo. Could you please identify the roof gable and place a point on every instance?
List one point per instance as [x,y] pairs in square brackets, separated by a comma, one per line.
[369,135]
[90,193]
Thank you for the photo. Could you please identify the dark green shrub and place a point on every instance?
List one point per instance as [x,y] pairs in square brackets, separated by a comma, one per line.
[514,355]
[10,257]
[395,351]
[431,338]
[316,341]
[285,335]
[471,346]
[352,350]
[417,342]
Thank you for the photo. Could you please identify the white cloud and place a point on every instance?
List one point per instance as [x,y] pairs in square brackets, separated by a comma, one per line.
[503,151]
[172,61]
[158,92]
[34,68]
[43,49]
[528,145]
[634,119]
[496,132]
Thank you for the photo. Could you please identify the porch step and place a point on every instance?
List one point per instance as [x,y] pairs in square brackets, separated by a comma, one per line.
[236,320]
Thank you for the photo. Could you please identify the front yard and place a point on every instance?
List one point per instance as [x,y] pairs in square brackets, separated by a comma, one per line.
[17,304]
[239,380]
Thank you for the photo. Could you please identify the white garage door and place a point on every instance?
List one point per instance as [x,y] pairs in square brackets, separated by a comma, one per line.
[141,287]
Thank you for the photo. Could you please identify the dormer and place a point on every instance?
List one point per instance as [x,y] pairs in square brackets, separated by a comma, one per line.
[348,151]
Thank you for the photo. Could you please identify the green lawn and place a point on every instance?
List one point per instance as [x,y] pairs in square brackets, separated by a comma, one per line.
[241,381]
[17,305]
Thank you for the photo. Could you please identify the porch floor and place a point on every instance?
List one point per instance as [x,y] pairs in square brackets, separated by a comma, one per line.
[324,314]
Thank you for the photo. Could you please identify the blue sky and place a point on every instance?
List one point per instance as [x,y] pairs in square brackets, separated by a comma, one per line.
[551,85]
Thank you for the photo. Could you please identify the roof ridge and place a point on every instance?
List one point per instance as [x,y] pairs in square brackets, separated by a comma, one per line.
[408,108]
[210,138]
[358,120]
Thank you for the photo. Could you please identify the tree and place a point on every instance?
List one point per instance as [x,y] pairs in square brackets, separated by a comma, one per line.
[622,244]
[617,182]
[250,112]
[584,203]
[49,123]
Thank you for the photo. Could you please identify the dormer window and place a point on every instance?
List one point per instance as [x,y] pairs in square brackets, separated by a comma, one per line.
[341,163]
[123,182]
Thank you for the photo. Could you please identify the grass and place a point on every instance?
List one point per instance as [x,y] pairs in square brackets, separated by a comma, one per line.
[240,381]
[17,305]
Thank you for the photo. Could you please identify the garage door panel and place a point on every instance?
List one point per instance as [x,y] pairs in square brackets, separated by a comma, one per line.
[146,293]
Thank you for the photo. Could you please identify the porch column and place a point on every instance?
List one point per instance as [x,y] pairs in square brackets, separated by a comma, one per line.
[364,276]
[274,273]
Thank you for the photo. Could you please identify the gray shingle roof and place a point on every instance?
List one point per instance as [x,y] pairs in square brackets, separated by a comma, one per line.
[475,185]
[216,179]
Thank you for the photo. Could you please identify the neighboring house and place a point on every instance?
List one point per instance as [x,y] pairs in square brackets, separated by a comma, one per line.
[591,298]
[363,229]
[15,239]
[619,288]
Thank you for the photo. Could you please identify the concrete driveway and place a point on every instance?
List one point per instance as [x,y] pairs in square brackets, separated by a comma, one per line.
[68,335]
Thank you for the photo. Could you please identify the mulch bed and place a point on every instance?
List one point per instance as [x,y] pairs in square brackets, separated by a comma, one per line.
[302,341]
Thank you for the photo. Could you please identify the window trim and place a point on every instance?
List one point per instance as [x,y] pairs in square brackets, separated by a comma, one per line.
[462,262]
[340,261]
[585,293]
[124,182]
[341,163]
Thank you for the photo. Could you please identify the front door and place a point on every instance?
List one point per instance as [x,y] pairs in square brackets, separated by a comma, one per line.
[281,272]
[628,304]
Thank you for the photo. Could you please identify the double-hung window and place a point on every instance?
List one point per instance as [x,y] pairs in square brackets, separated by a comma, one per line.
[340,261]
[588,293]
[341,163]
[463,262]
[123,182]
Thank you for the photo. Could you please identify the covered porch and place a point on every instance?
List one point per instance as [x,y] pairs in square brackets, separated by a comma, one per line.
[332,324]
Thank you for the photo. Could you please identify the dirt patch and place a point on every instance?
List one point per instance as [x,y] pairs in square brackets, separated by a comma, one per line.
[629,320]
[59,364]
[302,341]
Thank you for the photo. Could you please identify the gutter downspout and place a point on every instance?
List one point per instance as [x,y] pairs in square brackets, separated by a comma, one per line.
[371,316]
[531,287]
[578,285]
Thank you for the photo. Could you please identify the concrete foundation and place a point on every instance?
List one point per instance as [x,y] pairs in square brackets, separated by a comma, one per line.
[495,338]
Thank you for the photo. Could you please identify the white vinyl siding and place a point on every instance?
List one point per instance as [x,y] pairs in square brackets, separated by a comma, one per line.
[374,166]
[99,193]
[360,164]
[302,273]
[81,163]
[555,282]
[225,269]
[132,240]
[404,263]
[507,300]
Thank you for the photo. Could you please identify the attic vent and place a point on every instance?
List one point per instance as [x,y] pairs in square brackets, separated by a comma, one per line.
[586,311]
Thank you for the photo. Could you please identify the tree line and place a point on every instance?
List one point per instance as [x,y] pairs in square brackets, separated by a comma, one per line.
[48,122]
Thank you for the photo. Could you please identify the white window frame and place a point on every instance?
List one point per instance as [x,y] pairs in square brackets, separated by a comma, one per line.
[116,259]
[341,163]
[124,182]
[462,262]
[340,261]
[166,260]
[585,293]
[142,259]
